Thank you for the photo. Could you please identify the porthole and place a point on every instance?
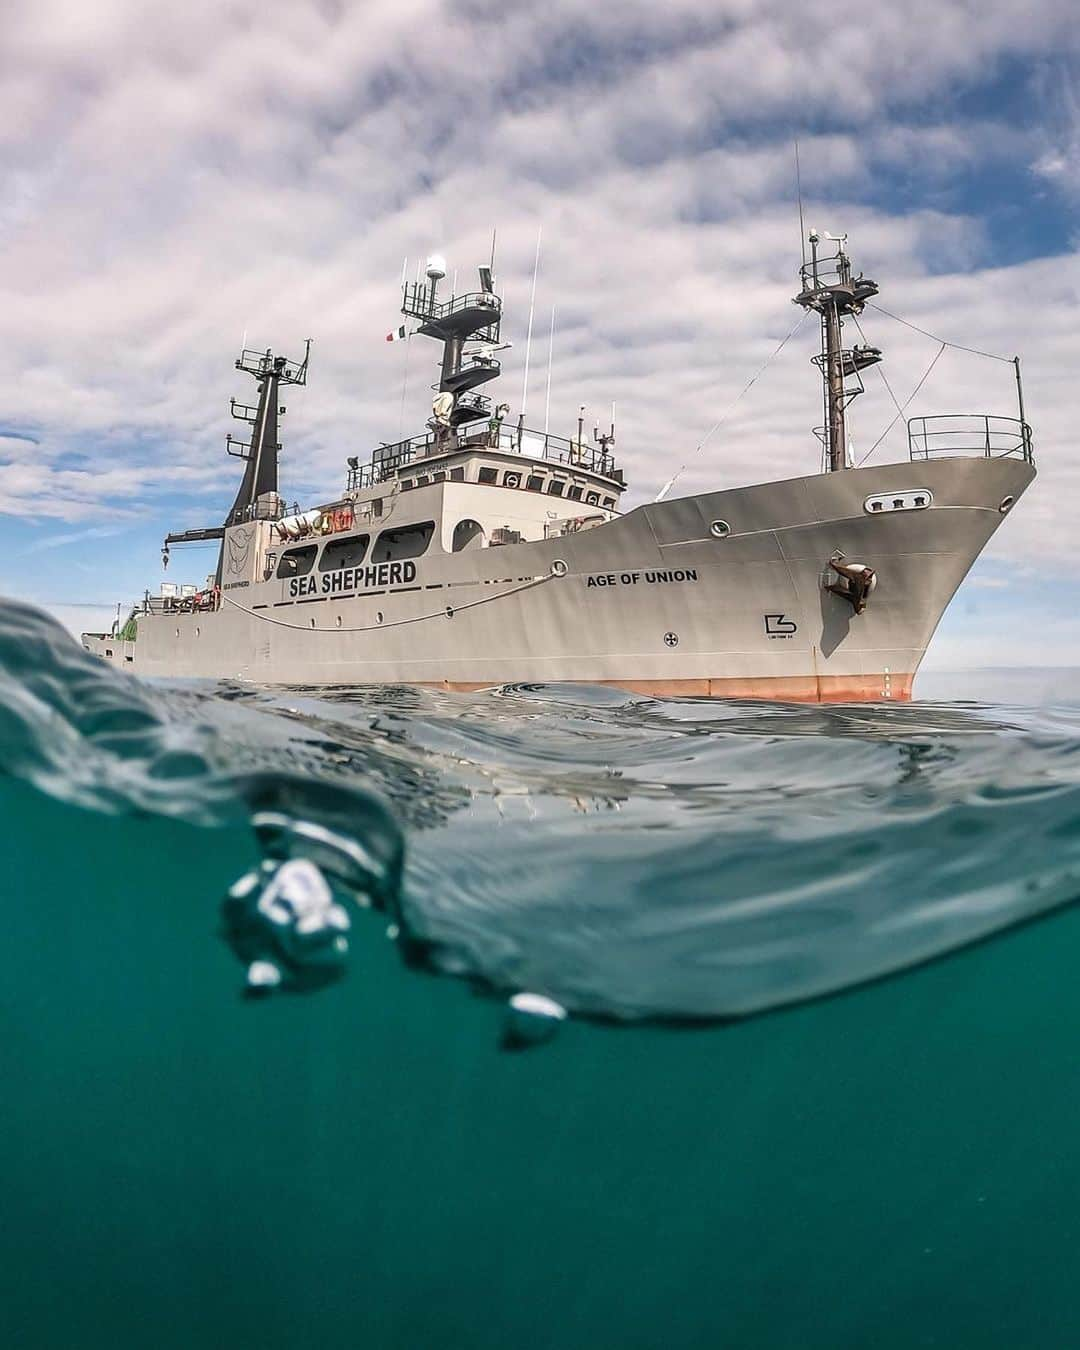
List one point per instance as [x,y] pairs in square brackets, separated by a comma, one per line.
[449,611]
[338,621]
[312,622]
[198,631]
[178,632]
[378,616]
[720,529]
[559,568]
[1005,503]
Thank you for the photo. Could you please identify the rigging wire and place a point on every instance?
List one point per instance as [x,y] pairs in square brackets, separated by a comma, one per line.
[879,369]
[958,346]
[730,409]
[934,337]
[900,410]
[885,379]
[446,613]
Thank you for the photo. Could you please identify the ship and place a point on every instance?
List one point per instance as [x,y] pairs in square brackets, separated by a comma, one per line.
[482,553]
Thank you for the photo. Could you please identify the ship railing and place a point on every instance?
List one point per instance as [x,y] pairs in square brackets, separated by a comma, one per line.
[472,407]
[419,301]
[953,435]
[205,601]
[492,435]
[264,363]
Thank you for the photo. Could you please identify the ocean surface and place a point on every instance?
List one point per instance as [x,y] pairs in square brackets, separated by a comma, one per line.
[816,1085]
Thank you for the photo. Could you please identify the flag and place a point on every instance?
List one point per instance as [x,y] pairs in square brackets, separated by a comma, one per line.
[397,334]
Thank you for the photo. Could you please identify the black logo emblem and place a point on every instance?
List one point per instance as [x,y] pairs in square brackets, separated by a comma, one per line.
[239,548]
[780,626]
[672,639]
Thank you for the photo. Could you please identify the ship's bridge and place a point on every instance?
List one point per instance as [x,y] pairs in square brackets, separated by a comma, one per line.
[558,463]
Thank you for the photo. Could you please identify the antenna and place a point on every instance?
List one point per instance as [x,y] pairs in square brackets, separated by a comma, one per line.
[532,306]
[798,193]
[551,348]
[404,390]
[605,439]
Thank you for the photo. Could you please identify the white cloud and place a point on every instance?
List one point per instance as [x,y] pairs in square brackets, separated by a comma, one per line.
[171,180]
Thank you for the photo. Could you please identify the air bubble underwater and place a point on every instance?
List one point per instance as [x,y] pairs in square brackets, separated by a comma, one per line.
[288,920]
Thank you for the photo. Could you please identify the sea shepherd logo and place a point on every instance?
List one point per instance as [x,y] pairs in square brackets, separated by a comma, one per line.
[355,579]
[239,542]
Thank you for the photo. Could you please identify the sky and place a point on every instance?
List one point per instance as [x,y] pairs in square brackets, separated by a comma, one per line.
[177,179]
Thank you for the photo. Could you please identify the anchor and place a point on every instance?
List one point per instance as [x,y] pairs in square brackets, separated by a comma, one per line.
[855,582]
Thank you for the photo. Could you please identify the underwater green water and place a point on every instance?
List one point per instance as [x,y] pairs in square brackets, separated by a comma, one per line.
[817,1086]
[896,1166]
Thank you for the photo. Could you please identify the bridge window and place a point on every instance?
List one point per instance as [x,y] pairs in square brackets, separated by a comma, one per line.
[406,484]
[297,562]
[555,487]
[467,534]
[488,475]
[511,478]
[535,483]
[574,493]
[344,553]
[408,541]
[592,499]
[609,502]
[438,477]
[457,475]
[423,480]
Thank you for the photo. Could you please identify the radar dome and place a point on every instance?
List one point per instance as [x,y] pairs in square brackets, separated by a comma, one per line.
[436,267]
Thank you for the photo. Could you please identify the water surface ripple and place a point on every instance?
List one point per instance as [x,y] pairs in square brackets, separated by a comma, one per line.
[630,857]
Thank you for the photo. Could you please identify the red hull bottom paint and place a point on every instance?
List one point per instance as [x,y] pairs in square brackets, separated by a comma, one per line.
[779,689]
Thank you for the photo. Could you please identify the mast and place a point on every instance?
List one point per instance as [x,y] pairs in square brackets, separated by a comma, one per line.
[261,451]
[473,317]
[829,288]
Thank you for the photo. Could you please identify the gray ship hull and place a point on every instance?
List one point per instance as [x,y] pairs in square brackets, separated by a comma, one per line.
[653,601]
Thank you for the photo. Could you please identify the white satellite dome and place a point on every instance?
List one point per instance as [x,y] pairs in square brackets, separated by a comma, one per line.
[436,267]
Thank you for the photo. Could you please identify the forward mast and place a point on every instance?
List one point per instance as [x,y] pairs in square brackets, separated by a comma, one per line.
[831,290]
